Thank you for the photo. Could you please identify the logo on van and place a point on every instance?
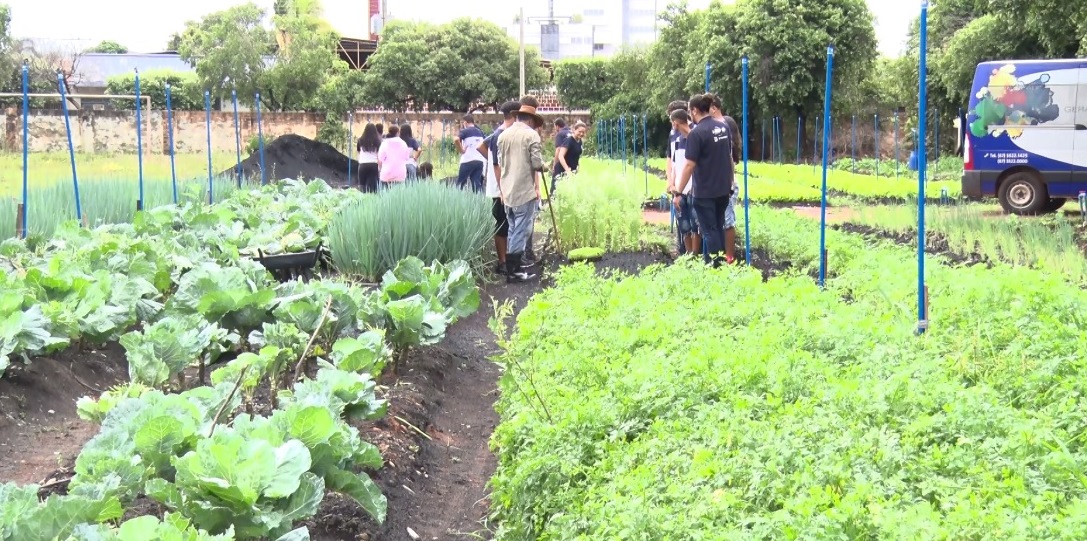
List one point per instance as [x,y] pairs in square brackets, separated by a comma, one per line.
[1007,101]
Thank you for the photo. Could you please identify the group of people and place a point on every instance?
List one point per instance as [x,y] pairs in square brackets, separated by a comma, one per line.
[513,154]
[390,158]
[703,150]
[507,165]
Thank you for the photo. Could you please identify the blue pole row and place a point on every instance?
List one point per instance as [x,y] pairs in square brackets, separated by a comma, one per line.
[141,201]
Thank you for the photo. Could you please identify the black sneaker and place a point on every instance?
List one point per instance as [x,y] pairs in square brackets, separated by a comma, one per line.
[500,268]
[519,277]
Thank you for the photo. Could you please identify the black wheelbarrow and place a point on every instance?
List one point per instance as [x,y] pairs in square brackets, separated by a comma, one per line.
[294,266]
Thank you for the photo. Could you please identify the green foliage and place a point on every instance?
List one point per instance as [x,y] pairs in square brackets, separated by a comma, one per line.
[303,65]
[333,131]
[600,207]
[1049,243]
[427,220]
[460,66]
[109,47]
[186,94]
[228,50]
[588,253]
[584,83]
[828,418]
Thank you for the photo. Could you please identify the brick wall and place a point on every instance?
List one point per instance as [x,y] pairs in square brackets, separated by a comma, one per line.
[115,131]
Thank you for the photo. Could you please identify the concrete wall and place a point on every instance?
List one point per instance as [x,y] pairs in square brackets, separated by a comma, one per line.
[115,131]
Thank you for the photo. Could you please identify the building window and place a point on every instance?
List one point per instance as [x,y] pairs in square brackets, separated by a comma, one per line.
[594,13]
[598,46]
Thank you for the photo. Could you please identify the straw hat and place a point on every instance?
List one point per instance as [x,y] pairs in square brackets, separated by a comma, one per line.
[537,120]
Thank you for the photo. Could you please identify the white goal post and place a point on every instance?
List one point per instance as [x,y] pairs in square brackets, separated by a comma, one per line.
[144,98]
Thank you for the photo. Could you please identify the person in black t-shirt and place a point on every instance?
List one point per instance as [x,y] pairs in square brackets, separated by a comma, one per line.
[568,154]
[709,161]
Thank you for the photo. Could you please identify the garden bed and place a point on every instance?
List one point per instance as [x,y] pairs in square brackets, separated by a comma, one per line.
[934,244]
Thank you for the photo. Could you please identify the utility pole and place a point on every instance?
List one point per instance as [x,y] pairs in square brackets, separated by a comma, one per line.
[521,16]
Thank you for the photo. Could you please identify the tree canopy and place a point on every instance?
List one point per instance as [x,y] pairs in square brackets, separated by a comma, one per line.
[461,65]
[110,47]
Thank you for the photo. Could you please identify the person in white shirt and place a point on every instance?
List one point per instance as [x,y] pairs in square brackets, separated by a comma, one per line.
[489,148]
[471,161]
[368,145]
[687,226]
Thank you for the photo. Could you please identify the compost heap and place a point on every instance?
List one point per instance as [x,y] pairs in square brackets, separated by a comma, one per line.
[293,156]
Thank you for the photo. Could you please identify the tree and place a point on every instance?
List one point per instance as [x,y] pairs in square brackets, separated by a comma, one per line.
[228,49]
[109,47]
[462,65]
[293,17]
[584,83]
[786,42]
[301,68]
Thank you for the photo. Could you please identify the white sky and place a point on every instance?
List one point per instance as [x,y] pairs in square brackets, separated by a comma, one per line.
[144,26]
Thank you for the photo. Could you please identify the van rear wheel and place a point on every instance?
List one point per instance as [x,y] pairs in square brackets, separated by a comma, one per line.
[1024,194]
[1055,204]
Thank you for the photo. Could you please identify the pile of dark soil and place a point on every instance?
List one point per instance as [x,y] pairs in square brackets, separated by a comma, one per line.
[295,157]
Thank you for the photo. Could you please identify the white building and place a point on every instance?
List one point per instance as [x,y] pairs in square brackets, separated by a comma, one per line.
[587,28]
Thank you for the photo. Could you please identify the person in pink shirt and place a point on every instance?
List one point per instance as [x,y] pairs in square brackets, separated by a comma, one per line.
[393,158]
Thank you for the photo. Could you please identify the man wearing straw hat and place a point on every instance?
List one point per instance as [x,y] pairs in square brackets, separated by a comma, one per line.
[520,158]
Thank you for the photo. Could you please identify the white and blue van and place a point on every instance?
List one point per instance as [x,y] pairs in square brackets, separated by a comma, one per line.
[1025,138]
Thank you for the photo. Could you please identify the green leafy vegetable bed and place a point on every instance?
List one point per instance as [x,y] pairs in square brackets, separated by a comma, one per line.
[693,404]
[177,290]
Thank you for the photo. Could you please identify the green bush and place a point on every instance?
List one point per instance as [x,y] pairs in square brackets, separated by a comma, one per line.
[427,220]
[185,94]
[253,145]
[601,207]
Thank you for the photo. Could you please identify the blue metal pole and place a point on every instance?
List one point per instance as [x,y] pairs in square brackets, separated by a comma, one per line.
[351,143]
[634,147]
[815,145]
[799,139]
[260,143]
[26,143]
[645,149]
[853,144]
[897,165]
[71,147]
[875,128]
[709,68]
[207,122]
[922,301]
[826,143]
[139,141]
[170,134]
[623,136]
[237,135]
[747,199]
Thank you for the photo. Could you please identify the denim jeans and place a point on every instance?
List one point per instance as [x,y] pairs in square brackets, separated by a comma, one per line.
[473,171]
[520,220]
[413,171]
[710,213]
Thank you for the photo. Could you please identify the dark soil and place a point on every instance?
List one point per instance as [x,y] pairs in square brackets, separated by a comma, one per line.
[934,244]
[611,264]
[293,156]
[40,433]
[764,262]
[436,484]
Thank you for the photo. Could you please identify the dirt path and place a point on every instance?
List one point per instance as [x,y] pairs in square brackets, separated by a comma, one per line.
[39,429]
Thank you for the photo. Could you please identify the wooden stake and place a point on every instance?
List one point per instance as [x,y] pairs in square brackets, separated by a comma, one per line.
[19,212]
